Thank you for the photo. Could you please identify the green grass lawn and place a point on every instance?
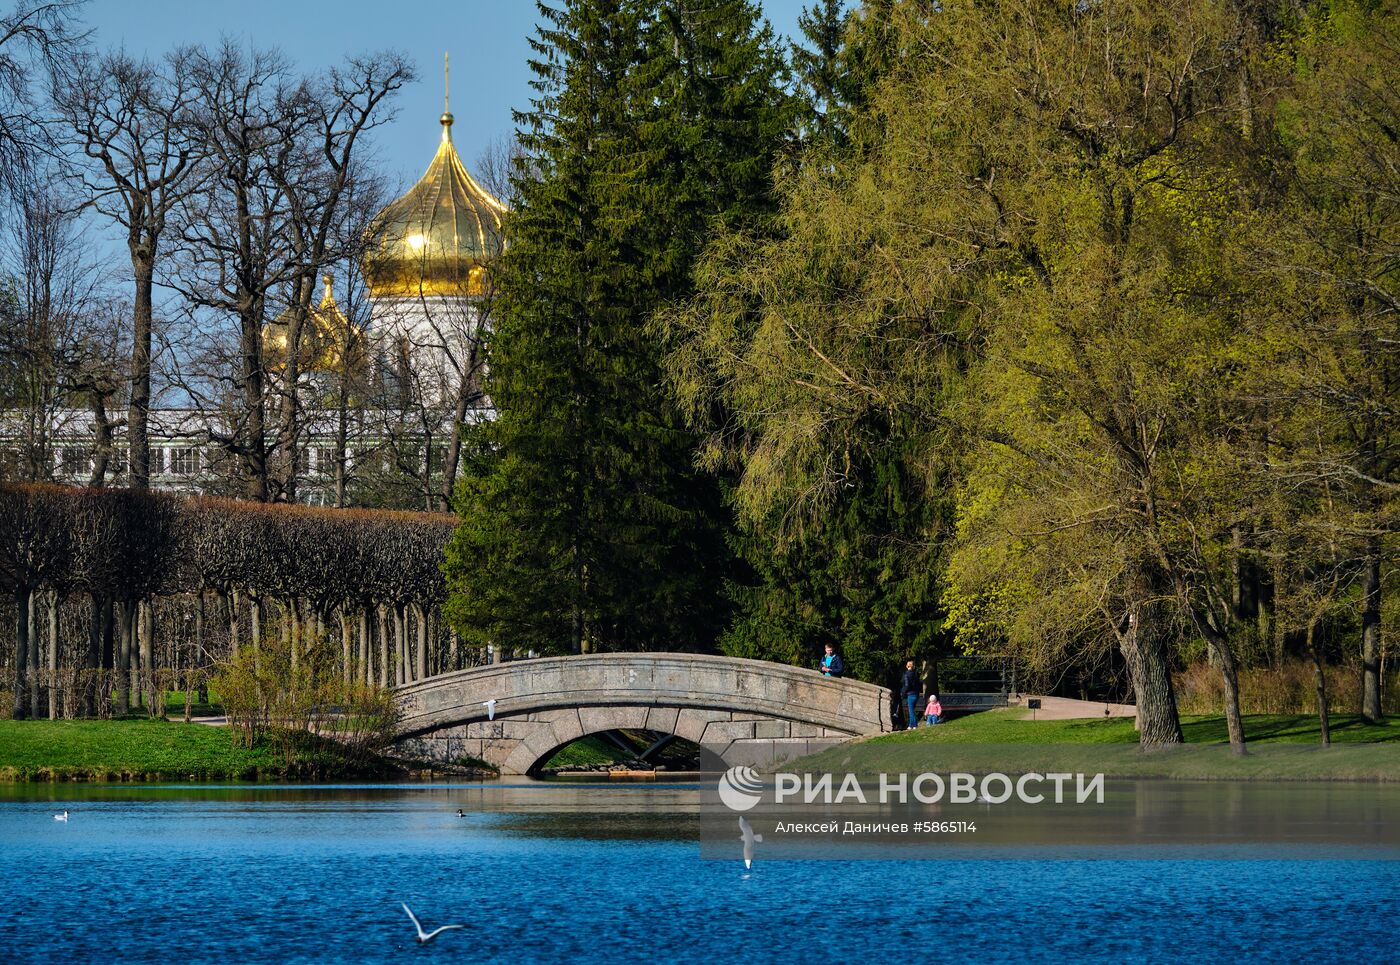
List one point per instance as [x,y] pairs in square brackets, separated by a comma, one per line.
[175,705]
[1006,727]
[586,752]
[156,750]
[1280,747]
[138,750]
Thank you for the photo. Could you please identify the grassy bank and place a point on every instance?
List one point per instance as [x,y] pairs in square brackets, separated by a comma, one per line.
[156,750]
[1281,747]
[1008,727]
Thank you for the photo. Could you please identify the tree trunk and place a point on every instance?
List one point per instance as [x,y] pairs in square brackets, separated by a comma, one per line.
[109,651]
[292,631]
[453,456]
[381,619]
[21,653]
[92,660]
[400,646]
[255,621]
[138,408]
[346,669]
[201,654]
[254,444]
[155,692]
[1276,633]
[422,620]
[1321,680]
[1229,674]
[1371,635]
[35,687]
[102,441]
[1144,649]
[53,655]
[365,668]
[289,431]
[122,674]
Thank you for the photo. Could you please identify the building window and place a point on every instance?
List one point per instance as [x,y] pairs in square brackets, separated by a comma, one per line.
[184,461]
[325,460]
[74,460]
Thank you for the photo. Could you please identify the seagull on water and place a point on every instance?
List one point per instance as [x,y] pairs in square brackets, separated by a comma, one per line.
[747,836]
[425,937]
[490,706]
[61,817]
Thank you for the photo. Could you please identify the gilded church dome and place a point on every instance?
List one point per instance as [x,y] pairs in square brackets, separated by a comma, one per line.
[328,339]
[437,238]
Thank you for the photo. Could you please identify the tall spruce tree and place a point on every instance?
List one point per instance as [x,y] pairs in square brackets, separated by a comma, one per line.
[586,524]
[818,69]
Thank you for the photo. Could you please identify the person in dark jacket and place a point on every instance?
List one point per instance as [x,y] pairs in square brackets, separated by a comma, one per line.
[831,665]
[909,693]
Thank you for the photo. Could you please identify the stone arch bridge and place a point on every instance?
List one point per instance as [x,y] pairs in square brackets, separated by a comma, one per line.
[542,704]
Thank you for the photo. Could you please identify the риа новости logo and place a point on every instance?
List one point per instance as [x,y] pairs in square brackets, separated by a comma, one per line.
[740,788]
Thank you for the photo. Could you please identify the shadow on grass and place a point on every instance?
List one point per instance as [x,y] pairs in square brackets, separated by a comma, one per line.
[1297,728]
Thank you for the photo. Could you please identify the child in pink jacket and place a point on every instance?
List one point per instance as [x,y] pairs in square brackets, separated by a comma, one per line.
[934,710]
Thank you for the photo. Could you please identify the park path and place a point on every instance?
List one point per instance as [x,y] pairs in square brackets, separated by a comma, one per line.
[1067,708]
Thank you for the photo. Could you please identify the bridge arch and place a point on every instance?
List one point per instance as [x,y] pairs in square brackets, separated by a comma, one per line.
[514,715]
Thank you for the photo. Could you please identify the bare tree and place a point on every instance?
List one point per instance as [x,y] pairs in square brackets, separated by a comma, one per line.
[58,340]
[34,38]
[248,111]
[321,195]
[502,163]
[285,198]
[131,120]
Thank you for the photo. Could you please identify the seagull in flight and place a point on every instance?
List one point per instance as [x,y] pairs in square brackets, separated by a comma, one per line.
[490,706]
[425,937]
[747,836]
[61,817]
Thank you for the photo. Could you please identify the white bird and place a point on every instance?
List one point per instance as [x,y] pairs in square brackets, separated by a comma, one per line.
[747,836]
[61,817]
[425,937]
[490,706]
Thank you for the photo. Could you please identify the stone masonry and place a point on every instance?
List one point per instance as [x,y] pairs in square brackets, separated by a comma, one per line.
[542,704]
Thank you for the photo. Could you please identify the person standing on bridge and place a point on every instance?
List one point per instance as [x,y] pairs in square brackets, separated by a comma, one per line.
[910,691]
[831,665]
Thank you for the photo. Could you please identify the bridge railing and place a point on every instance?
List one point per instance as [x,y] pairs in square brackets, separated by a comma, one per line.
[970,702]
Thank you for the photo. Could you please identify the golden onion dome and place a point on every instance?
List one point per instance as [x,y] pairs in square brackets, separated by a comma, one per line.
[437,238]
[328,338]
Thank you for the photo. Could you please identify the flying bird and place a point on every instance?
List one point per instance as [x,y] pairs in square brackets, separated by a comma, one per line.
[425,937]
[747,836]
[490,706]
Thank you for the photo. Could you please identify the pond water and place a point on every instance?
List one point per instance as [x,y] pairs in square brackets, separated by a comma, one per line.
[609,873]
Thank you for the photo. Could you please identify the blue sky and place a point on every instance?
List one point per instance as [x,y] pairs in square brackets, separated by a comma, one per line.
[486,38]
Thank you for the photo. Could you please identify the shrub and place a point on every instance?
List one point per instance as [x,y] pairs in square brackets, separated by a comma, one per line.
[286,690]
[1291,689]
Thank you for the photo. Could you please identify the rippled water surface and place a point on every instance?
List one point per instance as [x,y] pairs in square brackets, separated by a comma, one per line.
[602,874]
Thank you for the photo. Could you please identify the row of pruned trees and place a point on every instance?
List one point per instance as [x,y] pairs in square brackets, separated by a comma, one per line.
[235,571]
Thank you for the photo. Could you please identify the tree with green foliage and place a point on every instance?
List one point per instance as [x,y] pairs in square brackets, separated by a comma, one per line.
[1327,278]
[586,524]
[1008,278]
